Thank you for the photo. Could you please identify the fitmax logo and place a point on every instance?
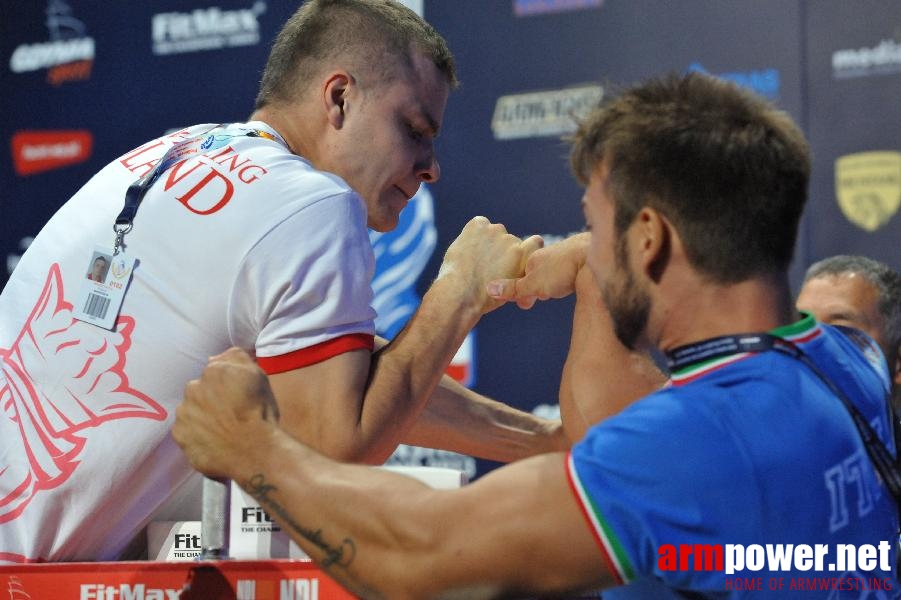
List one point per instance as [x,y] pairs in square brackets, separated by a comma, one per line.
[206,29]
[187,541]
[99,591]
[255,520]
[253,515]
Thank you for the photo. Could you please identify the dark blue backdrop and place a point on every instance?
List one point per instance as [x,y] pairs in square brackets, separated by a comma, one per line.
[85,80]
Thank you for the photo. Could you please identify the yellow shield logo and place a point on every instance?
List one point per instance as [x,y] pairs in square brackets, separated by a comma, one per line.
[868,187]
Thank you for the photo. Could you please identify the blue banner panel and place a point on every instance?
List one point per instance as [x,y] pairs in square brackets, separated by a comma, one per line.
[854,83]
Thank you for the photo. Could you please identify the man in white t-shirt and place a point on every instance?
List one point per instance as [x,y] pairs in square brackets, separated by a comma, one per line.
[251,235]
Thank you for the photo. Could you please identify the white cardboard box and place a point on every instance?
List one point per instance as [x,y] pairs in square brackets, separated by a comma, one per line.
[252,534]
[173,540]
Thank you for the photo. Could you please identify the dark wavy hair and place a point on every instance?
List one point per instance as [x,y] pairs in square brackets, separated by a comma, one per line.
[728,169]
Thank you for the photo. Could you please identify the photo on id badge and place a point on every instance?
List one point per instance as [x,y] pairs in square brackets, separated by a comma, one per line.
[104,287]
[99,267]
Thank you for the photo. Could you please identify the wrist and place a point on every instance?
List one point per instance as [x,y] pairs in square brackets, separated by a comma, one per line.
[455,295]
[259,443]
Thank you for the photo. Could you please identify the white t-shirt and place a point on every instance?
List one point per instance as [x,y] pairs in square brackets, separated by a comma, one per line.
[246,245]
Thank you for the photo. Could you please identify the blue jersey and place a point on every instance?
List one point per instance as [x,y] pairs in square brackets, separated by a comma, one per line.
[747,450]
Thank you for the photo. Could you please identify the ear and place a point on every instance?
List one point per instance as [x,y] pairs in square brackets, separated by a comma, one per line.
[334,97]
[652,237]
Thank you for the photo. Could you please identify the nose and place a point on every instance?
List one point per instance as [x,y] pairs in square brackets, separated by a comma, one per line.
[429,171]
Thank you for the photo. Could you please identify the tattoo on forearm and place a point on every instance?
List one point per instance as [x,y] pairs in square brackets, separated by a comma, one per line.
[342,556]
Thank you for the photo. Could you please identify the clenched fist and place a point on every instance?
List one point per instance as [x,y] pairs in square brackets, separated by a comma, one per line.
[549,273]
[230,408]
[484,252]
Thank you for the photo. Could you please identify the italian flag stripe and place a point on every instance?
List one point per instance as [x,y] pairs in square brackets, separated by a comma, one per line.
[799,333]
[611,548]
[701,369]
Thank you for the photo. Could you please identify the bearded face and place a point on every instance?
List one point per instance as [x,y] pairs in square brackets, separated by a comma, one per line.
[628,303]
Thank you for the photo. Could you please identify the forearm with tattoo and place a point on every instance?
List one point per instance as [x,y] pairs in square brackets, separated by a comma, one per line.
[342,555]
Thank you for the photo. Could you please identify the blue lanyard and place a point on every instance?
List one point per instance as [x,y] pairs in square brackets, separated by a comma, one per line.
[198,144]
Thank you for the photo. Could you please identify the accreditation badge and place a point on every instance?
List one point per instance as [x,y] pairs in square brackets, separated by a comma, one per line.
[102,292]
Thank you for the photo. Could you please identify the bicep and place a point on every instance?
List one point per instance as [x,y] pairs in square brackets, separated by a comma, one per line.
[520,529]
[321,404]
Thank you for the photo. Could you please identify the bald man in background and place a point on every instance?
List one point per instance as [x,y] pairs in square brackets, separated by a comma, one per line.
[859,292]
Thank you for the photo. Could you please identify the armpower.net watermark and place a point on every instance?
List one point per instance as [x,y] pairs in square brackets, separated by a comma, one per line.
[824,567]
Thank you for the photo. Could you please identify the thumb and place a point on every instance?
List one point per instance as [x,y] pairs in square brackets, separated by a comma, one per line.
[511,290]
[502,289]
[528,246]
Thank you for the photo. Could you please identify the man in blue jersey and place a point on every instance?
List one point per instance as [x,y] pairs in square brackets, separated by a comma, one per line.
[745,474]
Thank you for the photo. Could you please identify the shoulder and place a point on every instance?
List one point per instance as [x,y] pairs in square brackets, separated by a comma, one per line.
[655,429]
[682,422]
[284,182]
[850,358]
[859,347]
[289,177]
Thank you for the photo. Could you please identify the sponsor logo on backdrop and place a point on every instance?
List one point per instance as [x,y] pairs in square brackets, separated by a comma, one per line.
[528,8]
[544,113]
[69,53]
[762,81]
[206,29]
[882,59]
[868,187]
[39,151]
